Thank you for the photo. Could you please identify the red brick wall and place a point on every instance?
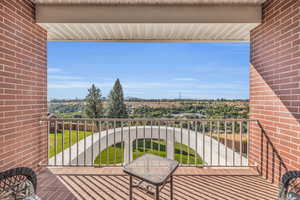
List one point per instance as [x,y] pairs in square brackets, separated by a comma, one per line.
[23,86]
[275,89]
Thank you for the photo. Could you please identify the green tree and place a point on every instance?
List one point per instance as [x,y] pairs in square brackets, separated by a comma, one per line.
[94,108]
[116,105]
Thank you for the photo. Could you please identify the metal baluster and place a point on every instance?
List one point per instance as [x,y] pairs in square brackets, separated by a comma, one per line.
[151,143]
[203,142]
[218,129]
[70,142]
[49,142]
[225,125]
[144,137]
[99,144]
[107,149]
[181,146]
[93,131]
[77,133]
[174,139]
[115,153]
[189,135]
[84,135]
[241,141]
[122,144]
[248,138]
[62,142]
[55,142]
[158,135]
[210,134]
[233,143]
[136,140]
[129,142]
[196,142]
[167,138]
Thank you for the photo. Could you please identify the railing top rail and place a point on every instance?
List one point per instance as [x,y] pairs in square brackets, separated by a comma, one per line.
[145,119]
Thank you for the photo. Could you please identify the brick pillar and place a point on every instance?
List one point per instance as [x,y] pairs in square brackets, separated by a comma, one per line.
[275,90]
[23,86]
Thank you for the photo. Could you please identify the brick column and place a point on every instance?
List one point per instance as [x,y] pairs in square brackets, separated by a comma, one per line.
[275,90]
[23,86]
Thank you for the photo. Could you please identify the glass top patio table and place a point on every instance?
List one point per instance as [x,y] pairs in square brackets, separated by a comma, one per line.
[151,168]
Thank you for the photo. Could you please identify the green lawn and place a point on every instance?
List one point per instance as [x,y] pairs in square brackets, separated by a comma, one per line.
[66,140]
[114,154]
[71,115]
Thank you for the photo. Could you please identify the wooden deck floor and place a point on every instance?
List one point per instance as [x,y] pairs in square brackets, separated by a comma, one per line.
[189,184]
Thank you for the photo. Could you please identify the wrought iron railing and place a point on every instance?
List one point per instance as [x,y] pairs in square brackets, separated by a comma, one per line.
[115,142]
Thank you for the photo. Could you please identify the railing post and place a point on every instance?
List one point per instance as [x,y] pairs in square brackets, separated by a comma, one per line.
[128,150]
[170,144]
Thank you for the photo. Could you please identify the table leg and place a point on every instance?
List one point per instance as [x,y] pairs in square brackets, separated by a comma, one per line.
[157,193]
[130,187]
[171,187]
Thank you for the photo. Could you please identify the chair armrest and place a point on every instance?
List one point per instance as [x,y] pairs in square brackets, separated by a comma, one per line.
[21,171]
[284,183]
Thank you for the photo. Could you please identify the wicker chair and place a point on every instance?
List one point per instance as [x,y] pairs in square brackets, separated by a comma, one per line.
[19,183]
[289,187]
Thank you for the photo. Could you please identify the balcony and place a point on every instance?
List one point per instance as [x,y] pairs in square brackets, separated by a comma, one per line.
[189,183]
[213,157]
[232,171]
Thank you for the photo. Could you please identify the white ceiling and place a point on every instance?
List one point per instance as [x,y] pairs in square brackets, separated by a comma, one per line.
[151,1]
[151,32]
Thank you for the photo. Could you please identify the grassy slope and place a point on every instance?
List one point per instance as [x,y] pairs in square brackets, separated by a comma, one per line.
[159,148]
[66,140]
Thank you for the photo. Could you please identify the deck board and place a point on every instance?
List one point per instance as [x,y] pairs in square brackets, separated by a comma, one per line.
[189,184]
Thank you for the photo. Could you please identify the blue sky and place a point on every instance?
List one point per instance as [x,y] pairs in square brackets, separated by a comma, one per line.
[149,70]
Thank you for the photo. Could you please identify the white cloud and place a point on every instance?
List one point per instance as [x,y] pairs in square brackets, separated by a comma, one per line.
[108,79]
[134,93]
[54,70]
[198,92]
[181,86]
[66,85]
[220,86]
[78,84]
[61,77]
[219,70]
[148,85]
[207,94]
[130,85]
[184,79]
[176,87]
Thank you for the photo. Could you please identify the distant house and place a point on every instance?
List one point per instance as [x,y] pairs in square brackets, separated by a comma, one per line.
[52,124]
[51,116]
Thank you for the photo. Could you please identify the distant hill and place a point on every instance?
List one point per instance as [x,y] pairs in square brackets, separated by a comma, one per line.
[135,99]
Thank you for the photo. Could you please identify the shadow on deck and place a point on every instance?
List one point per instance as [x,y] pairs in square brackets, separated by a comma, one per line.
[189,184]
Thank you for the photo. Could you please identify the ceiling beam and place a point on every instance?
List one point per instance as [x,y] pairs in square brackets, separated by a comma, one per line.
[87,13]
